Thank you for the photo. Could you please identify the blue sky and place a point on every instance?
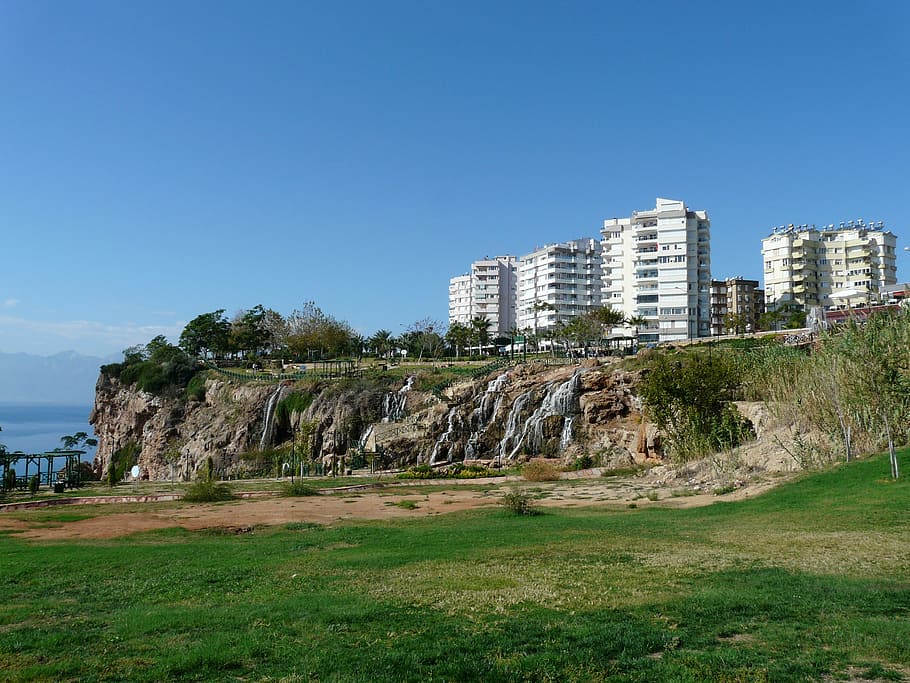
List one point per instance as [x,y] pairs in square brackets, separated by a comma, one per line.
[162,159]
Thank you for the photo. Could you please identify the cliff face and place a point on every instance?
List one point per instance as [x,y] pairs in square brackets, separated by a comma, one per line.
[176,437]
[532,409]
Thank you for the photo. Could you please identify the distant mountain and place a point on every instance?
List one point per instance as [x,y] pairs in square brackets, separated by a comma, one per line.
[64,378]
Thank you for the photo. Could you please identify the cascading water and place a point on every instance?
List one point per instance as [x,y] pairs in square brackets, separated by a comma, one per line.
[566,437]
[559,400]
[513,421]
[483,415]
[268,423]
[444,439]
[393,403]
[364,437]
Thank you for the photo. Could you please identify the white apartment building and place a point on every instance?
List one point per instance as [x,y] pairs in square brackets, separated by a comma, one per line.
[832,266]
[559,282]
[488,291]
[657,266]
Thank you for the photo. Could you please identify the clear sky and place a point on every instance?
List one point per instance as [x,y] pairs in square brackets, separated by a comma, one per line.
[163,159]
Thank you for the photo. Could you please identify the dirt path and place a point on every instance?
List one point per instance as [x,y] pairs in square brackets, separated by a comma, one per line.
[243,515]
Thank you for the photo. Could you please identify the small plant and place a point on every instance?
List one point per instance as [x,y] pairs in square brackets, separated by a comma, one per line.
[33,484]
[540,470]
[652,495]
[299,488]
[519,502]
[726,488]
[405,504]
[9,479]
[584,462]
[207,491]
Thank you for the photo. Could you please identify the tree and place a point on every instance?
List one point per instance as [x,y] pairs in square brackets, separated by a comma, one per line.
[206,333]
[77,441]
[735,323]
[310,331]
[609,317]
[458,337]
[480,331]
[380,343]
[248,331]
[583,329]
[422,338]
[691,401]
[537,308]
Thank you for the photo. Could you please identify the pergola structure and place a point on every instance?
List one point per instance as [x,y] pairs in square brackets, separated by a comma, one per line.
[43,465]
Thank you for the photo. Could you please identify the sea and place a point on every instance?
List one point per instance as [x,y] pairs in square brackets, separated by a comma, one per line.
[37,427]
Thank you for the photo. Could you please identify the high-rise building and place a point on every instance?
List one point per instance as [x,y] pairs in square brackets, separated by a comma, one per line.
[830,266]
[488,291]
[657,266]
[736,305]
[559,282]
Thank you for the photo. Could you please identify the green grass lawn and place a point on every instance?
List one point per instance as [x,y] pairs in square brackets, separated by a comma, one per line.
[808,581]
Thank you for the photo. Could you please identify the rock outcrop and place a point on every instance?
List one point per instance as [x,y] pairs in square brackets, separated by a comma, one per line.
[569,411]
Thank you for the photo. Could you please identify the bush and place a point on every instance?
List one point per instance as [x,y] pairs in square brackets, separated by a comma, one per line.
[455,471]
[207,492]
[690,400]
[519,502]
[584,462]
[195,389]
[122,461]
[540,470]
[33,484]
[9,479]
[157,368]
[298,488]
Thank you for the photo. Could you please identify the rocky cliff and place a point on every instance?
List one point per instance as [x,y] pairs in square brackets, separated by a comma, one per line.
[531,409]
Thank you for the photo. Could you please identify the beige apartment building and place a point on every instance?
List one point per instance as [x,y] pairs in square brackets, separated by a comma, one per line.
[831,267]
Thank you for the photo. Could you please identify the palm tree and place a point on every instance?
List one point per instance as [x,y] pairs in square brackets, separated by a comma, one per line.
[480,328]
[636,321]
[380,342]
[458,337]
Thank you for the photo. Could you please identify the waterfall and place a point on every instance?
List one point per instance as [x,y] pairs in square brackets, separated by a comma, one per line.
[513,421]
[393,402]
[362,442]
[561,400]
[566,437]
[446,436]
[268,423]
[488,405]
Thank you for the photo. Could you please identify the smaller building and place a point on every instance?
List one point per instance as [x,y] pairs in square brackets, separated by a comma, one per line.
[736,305]
[488,291]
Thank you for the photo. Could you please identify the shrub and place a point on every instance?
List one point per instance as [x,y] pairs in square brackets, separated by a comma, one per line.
[584,462]
[9,479]
[298,488]
[690,400]
[207,492]
[33,484]
[195,389]
[540,470]
[519,502]
[121,461]
[455,471]
[423,471]
[158,368]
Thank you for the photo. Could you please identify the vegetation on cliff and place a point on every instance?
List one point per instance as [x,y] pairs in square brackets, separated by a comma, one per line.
[158,368]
